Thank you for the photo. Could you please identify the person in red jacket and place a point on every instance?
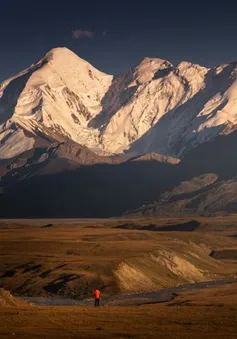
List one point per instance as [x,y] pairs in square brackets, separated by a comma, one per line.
[97,297]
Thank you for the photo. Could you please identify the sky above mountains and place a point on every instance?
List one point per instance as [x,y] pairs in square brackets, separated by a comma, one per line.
[115,35]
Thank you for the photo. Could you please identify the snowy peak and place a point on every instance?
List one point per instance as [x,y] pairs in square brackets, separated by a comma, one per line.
[152,107]
[151,68]
[61,93]
[60,69]
[140,100]
[78,74]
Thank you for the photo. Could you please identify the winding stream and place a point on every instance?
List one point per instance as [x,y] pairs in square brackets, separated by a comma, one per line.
[163,295]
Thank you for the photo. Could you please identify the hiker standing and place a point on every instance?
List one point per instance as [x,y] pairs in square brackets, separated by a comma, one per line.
[97,297]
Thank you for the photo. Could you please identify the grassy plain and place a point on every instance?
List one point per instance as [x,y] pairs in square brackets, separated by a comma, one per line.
[40,258]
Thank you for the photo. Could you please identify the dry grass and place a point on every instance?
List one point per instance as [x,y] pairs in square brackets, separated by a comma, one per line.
[198,314]
[32,257]
[72,259]
[216,296]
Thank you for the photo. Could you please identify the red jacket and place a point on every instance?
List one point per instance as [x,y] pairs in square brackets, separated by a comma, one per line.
[97,294]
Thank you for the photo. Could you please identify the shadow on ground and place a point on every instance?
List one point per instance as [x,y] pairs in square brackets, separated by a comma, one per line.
[183,227]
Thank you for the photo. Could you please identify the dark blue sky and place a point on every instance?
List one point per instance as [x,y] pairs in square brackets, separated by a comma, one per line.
[114,35]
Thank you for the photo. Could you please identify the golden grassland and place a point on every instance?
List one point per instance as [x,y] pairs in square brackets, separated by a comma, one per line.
[42,257]
[198,314]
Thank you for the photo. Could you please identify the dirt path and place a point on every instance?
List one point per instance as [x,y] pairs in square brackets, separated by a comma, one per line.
[164,295]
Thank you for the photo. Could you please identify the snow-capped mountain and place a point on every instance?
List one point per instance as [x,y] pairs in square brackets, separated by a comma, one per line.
[153,107]
[78,141]
[61,93]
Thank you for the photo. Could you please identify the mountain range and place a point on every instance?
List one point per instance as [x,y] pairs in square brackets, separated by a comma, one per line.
[155,140]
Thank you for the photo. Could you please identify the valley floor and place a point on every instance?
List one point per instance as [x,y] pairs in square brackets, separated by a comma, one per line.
[198,314]
[71,258]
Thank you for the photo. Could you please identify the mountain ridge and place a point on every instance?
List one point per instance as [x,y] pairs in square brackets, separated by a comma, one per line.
[153,107]
[114,144]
